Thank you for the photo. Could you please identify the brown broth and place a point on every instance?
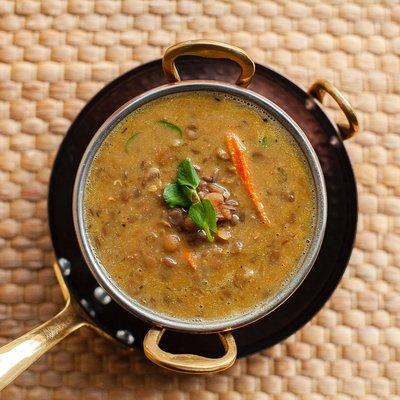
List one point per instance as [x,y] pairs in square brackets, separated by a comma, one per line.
[125,210]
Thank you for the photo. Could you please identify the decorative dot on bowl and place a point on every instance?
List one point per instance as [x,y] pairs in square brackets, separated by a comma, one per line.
[101,296]
[65,266]
[125,336]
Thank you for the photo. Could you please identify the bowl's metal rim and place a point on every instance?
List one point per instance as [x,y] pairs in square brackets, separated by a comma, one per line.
[101,274]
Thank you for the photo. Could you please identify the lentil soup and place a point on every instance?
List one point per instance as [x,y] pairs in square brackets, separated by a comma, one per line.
[156,234]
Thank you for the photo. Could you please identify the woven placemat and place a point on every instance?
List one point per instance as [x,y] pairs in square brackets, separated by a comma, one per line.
[55,55]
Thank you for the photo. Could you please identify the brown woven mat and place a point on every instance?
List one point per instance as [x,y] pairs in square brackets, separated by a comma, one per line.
[55,54]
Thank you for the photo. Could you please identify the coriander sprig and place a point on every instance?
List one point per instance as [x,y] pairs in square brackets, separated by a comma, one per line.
[203,215]
[183,193]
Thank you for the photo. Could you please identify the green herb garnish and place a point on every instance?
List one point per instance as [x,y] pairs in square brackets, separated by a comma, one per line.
[175,197]
[190,194]
[187,175]
[129,141]
[263,141]
[203,215]
[183,193]
[171,126]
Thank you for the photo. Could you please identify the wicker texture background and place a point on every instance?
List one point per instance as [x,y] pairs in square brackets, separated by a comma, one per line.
[55,54]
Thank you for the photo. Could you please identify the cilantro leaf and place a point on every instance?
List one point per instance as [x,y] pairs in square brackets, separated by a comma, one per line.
[191,194]
[183,193]
[174,196]
[211,216]
[203,215]
[187,175]
[196,213]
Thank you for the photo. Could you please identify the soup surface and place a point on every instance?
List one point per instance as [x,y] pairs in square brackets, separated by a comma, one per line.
[252,173]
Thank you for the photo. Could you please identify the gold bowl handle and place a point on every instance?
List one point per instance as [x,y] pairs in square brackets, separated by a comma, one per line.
[189,363]
[318,90]
[208,49]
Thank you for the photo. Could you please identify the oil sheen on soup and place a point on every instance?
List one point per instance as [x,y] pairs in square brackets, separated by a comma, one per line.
[199,206]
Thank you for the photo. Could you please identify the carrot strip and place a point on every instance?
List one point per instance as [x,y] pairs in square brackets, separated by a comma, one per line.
[188,256]
[236,151]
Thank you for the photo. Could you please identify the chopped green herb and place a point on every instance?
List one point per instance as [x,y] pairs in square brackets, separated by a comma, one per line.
[129,141]
[191,194]
[187,175]
[211,216]
[171,126]
[263,141]
[175,197]
[183,193]
[203,215]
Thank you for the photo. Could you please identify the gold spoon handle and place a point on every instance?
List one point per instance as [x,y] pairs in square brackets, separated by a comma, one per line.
[17,356]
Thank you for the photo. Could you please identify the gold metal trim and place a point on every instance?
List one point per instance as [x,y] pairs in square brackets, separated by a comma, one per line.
[318,90]
[189,363]
[17,356]
[208,49]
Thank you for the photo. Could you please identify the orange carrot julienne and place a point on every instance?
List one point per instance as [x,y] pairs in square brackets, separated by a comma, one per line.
[236,151]
[188,256]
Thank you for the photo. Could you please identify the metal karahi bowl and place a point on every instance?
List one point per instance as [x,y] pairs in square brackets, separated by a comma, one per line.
[44,336]
[100,272]
[146,313]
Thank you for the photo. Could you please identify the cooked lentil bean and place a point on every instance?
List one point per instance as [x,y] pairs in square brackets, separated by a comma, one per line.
[171,242]
[169,261]
[222,154]
[235,219]
[191,132]
[223,234]
[153,173]
[216,188]
[189,225]
[216,198]
[176,216]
